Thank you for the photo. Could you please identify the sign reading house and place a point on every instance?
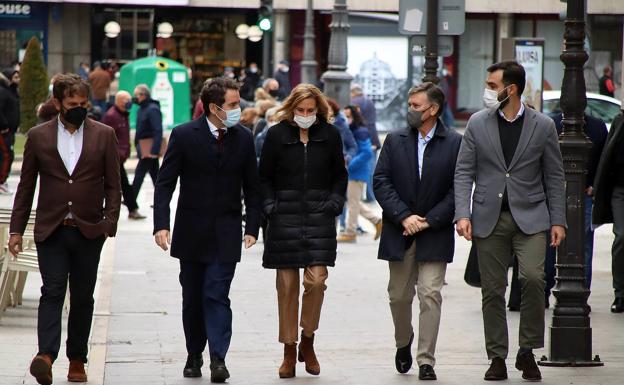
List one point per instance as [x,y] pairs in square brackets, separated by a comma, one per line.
[14,10]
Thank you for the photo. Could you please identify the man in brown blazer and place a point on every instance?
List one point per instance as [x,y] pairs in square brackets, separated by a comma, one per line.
[78,207]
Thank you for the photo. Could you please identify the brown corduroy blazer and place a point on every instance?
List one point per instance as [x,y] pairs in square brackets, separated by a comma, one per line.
[92,193]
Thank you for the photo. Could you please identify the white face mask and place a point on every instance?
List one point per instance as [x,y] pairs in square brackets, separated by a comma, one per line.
[490,98]
[305,122]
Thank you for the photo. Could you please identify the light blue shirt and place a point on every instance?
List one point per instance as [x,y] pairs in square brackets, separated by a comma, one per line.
[422,145]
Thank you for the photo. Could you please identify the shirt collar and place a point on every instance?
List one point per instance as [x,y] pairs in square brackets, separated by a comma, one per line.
[518,115]
[430,135]
[214,128]
[62,128]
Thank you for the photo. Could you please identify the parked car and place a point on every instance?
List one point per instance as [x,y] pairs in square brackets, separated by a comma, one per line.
[599,106]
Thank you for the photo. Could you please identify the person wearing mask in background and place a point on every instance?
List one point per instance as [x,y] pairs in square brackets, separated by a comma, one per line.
[83,70]
[117,117]
[100,81]
[282,75]
[213,156]
[251,81]
[512,155]
[369,114]
[9,122]
[259,139]
[609,203]
[228,72]
[413,183]
[302,175]
[75,159]
[148,136]
[605,84]
[359,170]
[272,87]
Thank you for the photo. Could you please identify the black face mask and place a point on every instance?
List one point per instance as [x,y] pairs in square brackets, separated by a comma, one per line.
[274,93]
[414,119]
[135,100]
[75,115]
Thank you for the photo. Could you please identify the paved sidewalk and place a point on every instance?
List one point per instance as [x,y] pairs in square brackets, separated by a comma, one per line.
[145,342]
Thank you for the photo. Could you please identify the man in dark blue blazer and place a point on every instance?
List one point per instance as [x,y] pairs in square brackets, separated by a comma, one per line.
[215,160]
[413,183]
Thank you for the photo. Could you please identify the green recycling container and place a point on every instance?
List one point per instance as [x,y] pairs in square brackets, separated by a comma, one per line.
[169,83]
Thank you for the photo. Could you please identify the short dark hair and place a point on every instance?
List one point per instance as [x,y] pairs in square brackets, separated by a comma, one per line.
[434,94]
[513,73]
[66,85]
[214,91]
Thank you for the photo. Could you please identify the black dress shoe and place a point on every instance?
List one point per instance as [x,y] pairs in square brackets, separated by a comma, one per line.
[526,363]
[194,362]
[218,371]
[403,357]
[497,370]
[618,305]
[426,372]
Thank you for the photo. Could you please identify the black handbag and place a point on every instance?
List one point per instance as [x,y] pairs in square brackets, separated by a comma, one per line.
[472,276]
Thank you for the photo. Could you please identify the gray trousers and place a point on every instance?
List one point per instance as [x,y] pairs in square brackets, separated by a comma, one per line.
[406,278]
[495,256]
[617,251]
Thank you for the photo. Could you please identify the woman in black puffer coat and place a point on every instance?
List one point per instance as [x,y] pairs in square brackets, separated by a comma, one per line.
[304,181]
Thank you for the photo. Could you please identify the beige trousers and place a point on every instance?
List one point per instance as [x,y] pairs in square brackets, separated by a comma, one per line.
[356,207]
[314,278]
[406,278]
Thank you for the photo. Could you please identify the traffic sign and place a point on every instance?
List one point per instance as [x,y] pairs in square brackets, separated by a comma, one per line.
[413,17]
[418,45]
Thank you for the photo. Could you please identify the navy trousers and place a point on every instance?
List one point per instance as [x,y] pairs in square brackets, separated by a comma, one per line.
[206,313]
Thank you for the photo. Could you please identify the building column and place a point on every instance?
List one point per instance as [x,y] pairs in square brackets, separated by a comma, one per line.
[281,40]
[505,28]
[65,50]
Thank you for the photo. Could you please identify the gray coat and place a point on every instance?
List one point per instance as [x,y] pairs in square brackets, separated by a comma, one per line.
[537,158]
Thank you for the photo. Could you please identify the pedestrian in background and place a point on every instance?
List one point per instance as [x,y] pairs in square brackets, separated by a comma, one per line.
[78,209]
[100,81]
[213,156]
[282,76]
[369,114]
[148,136]
[262,106]
[359,170]
[512,155]
[117,118]
[304,181]
[605,83]
[9,123]
[271,87]
[609,203]
[414,185]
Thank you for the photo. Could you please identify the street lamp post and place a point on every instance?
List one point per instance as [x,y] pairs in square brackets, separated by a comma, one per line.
[308,64]
[336,78]
[431,45]
[570,332]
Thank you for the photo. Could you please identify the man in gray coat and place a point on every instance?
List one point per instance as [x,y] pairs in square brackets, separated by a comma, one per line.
[512,155]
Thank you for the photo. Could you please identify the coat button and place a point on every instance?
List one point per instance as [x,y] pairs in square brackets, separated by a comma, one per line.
[507,175]
[500,195]
[71,181]
[69,203]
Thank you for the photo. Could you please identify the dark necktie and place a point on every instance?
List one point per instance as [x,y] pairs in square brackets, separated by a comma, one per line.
[220,135]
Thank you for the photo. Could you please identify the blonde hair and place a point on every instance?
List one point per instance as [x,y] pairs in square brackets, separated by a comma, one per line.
[300,93]
[261,94]
[263,105]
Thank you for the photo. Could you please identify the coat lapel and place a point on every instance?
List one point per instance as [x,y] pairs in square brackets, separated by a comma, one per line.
[87,145]
[491,126]
[230,145]
[409,147]
[205,139]
[528,127]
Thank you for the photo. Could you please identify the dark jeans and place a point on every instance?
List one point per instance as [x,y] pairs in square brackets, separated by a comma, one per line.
[206,313]
[144,166]
[127,191]
[8,155]
[617,251]
[370,196]
[67,254]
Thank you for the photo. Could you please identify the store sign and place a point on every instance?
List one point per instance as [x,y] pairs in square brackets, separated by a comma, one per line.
[14,10]
[131,2]
[530,53]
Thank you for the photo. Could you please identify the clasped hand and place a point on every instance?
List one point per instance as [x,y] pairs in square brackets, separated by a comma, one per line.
[414,224]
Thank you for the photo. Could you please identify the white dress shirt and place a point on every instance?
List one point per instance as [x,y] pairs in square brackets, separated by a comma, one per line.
[519,114]
[69,147]
[215,130]
[422,145]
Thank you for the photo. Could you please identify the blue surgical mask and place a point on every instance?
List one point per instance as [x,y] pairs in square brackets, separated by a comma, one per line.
[128,105]
[232,117]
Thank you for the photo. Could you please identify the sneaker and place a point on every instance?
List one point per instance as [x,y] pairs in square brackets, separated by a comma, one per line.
[5,190]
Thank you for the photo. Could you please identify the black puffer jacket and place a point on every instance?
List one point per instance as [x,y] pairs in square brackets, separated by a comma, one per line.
[303,188]
[9,106]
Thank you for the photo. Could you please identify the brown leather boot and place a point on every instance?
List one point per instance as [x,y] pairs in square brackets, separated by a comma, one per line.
[76,371]
[41,369]
[287,370]
[306,353]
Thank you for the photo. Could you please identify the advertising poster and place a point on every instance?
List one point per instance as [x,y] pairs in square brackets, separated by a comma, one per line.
[530,53]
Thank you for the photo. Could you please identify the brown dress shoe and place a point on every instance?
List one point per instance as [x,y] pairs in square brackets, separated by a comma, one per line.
[76,371]
[497,370]
[41,369]
[526,363]
[287,370]
[306,353]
